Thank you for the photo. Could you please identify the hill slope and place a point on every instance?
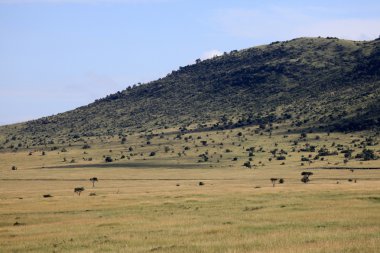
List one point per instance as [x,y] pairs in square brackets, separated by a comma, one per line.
[305,82]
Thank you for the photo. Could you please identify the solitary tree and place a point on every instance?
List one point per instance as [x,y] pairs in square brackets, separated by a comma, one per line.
[78,190]
[273,181]
[305,176]
[93,180]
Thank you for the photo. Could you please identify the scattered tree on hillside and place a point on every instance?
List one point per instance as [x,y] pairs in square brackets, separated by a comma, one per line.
[368,154]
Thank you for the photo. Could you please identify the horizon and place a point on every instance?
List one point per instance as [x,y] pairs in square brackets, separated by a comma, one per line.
[62,54]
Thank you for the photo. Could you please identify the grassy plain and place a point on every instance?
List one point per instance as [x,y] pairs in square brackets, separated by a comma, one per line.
[154,203]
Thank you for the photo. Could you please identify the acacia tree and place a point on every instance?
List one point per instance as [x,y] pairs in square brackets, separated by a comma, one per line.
[78,190]
[305,176]
[273,181]
[93,180]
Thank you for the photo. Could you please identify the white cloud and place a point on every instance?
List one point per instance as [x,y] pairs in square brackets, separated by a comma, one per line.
[277,23]
[210,54]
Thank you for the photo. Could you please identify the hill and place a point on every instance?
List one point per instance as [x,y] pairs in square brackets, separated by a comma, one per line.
[233,154]
[303,84]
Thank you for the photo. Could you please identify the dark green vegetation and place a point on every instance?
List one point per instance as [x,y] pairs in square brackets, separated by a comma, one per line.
[306,83]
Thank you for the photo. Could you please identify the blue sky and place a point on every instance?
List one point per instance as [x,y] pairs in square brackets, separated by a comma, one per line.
[56,55]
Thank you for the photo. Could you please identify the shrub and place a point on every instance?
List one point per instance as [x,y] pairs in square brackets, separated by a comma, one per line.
[326,152]
[368,155]
[247,164]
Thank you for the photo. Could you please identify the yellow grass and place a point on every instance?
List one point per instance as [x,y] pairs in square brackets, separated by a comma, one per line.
[142,206]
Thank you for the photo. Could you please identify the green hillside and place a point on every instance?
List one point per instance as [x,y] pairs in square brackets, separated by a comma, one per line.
[305,83]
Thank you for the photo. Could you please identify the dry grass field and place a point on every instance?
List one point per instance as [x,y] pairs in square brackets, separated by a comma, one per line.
[148,202]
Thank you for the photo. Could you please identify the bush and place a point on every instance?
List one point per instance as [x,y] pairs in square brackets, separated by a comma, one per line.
[108,159]
[247,164]
[368,155]
[281,181]
[326,152]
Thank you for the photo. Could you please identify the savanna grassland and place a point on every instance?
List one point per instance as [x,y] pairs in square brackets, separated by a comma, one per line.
[273,148]
[194,191]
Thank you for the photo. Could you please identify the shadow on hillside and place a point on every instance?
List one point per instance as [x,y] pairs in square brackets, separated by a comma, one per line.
[132,165]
